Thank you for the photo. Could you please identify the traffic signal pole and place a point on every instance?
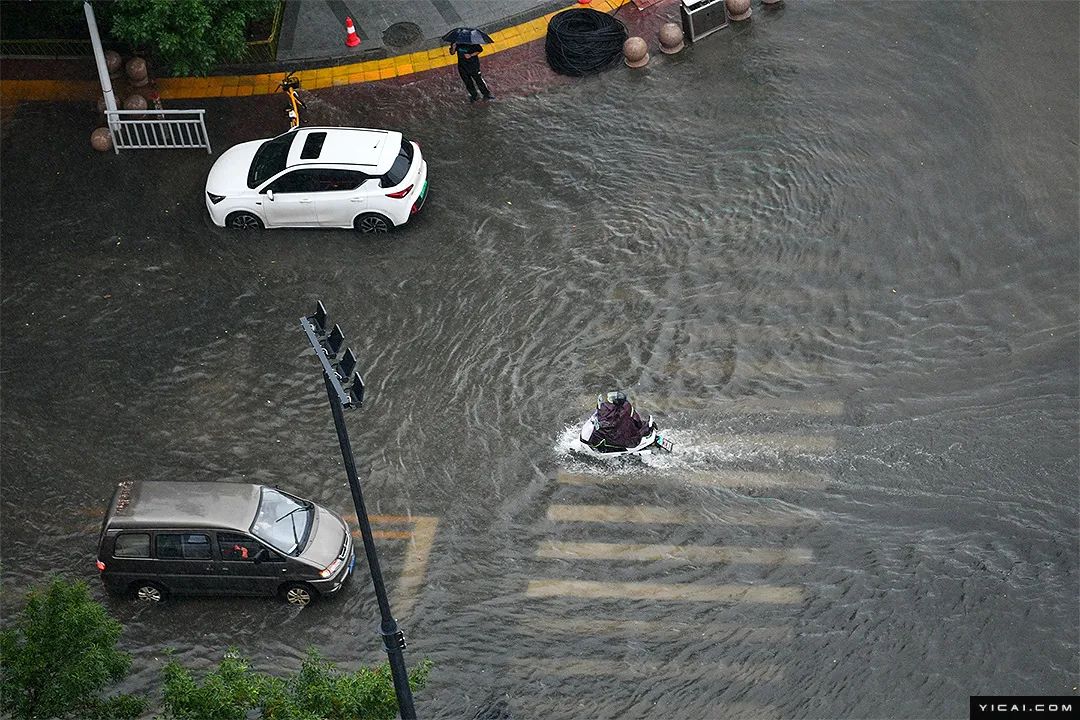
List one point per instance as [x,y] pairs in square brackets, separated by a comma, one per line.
[326,347]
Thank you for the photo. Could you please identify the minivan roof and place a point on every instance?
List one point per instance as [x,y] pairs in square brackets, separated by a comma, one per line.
[153,504]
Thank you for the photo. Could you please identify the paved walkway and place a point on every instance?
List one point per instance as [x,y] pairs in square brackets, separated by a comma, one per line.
[433,55]
[315,29]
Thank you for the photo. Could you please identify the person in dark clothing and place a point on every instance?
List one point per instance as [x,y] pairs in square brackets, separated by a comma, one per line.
[468,66]
[618,423]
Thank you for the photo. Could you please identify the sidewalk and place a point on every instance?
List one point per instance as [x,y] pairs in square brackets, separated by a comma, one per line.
[315,29]
[311,27]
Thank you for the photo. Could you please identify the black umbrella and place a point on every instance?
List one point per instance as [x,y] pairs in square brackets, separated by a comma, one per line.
[466,36]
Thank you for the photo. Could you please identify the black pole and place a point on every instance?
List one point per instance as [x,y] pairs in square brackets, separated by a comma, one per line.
[393,637]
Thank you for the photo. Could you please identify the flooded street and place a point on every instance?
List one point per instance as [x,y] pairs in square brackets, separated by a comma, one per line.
[834,252]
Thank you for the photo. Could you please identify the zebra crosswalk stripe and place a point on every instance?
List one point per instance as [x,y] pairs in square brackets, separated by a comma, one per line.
[684,553]
[687,592]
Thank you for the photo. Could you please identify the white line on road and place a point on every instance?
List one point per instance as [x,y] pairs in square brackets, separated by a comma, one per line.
[718,478]
[688,592]
[587,626]
[645,670]
[683,553]
[649,515]
[738,406]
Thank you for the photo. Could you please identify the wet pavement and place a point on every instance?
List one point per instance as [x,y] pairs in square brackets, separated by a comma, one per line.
[314,29]
[833,251]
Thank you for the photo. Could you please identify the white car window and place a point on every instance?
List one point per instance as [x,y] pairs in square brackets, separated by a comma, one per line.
[297,181]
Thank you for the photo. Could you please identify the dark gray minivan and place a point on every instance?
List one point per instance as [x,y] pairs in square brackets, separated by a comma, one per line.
[162,537]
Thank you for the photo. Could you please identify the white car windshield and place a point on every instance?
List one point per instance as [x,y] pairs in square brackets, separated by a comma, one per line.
[269,159]
[282,521]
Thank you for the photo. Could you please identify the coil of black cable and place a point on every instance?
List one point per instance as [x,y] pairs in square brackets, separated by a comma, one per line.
[582,41]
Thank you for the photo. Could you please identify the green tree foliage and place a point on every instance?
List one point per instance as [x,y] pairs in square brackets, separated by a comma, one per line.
[189,37]
[60,655]
[320,691]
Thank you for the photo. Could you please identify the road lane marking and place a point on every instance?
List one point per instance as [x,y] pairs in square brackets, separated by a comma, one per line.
[645,670]
[388,534]
[559,702]
[773,442]
[587,627]
[619,513]
[684,553]
[650,515]
[731,406]
[687,592]
[411,581]
[421,537]
[719,478]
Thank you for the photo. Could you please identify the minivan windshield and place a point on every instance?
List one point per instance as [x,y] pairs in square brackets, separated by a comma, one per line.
[282,522]
[269,159]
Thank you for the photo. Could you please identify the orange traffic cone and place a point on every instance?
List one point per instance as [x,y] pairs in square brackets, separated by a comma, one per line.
[351,38]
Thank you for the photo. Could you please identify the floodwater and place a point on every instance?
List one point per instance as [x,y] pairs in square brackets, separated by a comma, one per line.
[834,252]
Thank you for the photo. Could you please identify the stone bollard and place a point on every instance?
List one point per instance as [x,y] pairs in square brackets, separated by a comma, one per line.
[101,139]
[135,102]
[738,9]
[671,38]
[114,63]
[136,71]
[635,52]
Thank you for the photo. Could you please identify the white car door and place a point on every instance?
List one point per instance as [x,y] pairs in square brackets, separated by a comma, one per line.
[338,199]
[289,201]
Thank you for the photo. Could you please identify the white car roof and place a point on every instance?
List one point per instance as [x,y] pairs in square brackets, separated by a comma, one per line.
[372,151]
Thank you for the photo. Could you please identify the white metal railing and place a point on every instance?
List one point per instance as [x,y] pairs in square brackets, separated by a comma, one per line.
[155,129]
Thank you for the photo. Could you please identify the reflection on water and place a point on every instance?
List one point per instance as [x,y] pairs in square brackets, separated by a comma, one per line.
[834,252]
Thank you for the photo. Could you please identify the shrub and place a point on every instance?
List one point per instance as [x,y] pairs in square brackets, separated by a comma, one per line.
[60,655]
[320,691]
[189,37]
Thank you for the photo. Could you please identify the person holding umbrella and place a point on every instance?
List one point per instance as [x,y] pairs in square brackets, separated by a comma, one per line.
[466,42]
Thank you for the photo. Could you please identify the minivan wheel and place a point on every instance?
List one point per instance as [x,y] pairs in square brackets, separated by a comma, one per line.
[298,594]
[148,592]
[372,223]
[243,221]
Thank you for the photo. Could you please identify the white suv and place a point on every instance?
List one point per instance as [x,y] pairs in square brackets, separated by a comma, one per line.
[370,180]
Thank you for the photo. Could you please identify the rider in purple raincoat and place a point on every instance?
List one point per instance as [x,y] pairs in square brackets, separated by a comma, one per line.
[618,422]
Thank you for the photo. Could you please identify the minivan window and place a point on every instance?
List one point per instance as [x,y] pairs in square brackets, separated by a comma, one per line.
[237,547]
[282,522]
[397,172]
[269,159]
[183,546]
[136,545]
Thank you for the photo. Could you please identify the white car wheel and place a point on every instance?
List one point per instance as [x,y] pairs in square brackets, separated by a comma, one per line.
[372,223]
[243,221]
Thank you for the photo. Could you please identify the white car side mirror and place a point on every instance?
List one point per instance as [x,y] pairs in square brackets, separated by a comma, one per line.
[270,195]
